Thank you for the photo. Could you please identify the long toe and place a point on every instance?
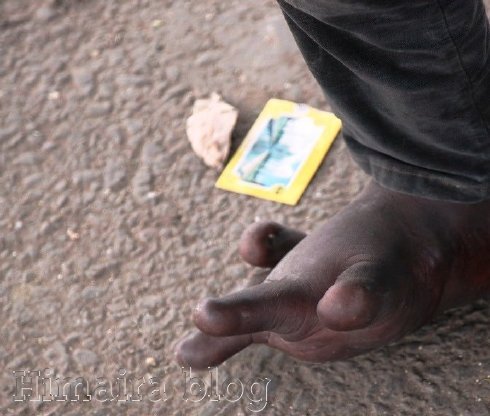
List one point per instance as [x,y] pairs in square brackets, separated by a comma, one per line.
[264,244]
[200,351]
[279,306]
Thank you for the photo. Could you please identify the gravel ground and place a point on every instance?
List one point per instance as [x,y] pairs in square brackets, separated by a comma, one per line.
[110,227]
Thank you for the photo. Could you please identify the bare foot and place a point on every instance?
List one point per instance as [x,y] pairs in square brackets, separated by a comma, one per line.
[379,269]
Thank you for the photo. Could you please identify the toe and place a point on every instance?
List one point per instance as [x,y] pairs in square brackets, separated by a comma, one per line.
[216,317]
[264,244]
[200,351]
[356,299]
[347,306]
[280,306]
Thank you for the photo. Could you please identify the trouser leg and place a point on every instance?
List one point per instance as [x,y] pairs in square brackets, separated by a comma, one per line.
[411,82]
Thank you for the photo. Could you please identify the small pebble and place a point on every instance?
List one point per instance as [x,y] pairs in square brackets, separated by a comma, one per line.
[53,95]
[151,362]
[72,235]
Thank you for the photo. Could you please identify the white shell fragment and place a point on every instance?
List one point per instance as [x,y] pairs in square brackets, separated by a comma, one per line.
[209,129]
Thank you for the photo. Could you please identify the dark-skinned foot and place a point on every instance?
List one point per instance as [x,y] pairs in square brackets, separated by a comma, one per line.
[379,269]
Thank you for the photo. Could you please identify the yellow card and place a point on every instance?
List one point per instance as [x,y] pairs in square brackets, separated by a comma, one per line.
[281,152]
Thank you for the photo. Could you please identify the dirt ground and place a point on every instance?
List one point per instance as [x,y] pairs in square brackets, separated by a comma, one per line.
[111,229]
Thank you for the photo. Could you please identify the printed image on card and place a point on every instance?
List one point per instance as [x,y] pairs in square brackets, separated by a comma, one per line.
[280,150]
[281,153]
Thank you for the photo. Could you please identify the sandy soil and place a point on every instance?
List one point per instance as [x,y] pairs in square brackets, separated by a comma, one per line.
[110,227]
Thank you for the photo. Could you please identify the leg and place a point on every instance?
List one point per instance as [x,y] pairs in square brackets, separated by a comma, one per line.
[411,82]
[400,252]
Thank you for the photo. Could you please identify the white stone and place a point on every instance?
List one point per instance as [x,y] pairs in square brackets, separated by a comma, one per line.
[209,129]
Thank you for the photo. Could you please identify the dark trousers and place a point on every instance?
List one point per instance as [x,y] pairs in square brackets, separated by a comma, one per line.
[410,80]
